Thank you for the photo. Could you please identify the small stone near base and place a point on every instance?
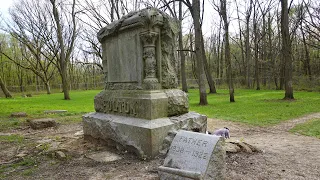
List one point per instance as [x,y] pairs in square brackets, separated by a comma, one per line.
[55,111]
[22,154]
[245,147]
[232,148]
[104,156]
[42,123]
[237,146]
[60,155]
[18,114]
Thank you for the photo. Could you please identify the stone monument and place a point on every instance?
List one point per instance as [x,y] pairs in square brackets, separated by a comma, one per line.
[140,110]
[194,156]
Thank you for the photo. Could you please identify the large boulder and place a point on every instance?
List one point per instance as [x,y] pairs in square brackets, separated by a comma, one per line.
[177,102]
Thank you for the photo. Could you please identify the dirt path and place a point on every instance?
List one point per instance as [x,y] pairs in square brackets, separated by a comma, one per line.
[284,155]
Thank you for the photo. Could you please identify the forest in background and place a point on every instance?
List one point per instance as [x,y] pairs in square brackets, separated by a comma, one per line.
[52,44]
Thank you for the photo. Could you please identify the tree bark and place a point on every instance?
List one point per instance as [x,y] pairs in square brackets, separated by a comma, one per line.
[211,84]
[286,49]
[243,74]
[195,11]
[4,89]
[64,56]
[48,89]
[282,63]
[271,56]
[256,48]
[223,13]
[247,44]
[182,55]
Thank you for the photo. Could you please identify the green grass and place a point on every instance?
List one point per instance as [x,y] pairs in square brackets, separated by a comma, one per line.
[14,138]
[310,128]
[261,108]
[26,167]
[81,102]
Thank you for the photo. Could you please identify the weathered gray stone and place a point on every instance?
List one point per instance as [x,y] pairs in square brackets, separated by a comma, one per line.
[18,114]
[133,103]
[55,111]
[79,133]
[42,123]
[104,156]
[141,136]
[245,147]
[237,146]
[144,137]
[60,155]
[177,102]
[232,148]
[138,51]
[139,65]
[194,156]
[190,121]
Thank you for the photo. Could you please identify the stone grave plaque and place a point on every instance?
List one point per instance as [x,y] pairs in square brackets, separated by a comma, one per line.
[190,156]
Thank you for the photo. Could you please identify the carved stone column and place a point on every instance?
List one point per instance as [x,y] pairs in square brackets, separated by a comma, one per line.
[150,62]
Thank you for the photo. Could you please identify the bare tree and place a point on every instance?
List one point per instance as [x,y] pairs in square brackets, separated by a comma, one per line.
[194,9]
[286,49]
[312,23]
[65,45]
[256,45]
[4,89]
[247,42]
[307,59]
[223,14]
[3,86]
[31,28]
[195,12]
[182,55]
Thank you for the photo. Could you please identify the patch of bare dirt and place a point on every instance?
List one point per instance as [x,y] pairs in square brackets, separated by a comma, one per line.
[283,155]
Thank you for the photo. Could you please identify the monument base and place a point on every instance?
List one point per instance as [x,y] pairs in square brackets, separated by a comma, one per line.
[145,138]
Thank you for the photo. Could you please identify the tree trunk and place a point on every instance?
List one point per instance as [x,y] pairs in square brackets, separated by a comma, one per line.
[48,87]
[218,53]
[207,69]
[307,56]
[195,11]
[286,49]
[182,55]
[4,89]
[256,49]
[282,63]
[271,56]
[264,52]
[62,59]
[223,13]
[247,45]
[243,74]
[222,59]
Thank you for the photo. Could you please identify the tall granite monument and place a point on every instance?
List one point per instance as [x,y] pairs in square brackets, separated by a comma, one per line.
[140,110]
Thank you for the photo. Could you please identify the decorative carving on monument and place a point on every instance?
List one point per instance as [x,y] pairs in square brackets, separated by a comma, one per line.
[149,57]
[168,63]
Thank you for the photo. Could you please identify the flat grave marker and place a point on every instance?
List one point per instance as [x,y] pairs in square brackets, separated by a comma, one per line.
[190,156]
